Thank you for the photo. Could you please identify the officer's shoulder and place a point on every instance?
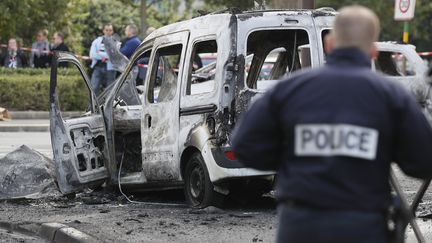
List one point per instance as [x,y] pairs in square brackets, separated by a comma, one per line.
[380,81]
[299,77]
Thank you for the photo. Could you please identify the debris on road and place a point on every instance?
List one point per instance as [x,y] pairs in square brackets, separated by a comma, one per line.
[26,173]
[4,114]
[425,215]
[207,210]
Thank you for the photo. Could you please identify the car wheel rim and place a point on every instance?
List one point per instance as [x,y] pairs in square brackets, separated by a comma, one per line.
[196,184]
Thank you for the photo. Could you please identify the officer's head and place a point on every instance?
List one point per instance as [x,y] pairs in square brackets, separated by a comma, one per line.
[357,27]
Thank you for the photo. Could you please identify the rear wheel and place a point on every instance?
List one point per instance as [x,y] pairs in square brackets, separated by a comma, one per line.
[199,190]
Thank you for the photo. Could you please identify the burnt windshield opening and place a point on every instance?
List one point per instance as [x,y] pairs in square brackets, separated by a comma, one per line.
[394,64]
[131,90]
[164,74]
[273,53]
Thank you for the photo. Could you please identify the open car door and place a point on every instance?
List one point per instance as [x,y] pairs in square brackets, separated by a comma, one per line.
[79,144]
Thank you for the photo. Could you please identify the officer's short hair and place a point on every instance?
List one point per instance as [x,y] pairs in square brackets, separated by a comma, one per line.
[356,26]
[133,29]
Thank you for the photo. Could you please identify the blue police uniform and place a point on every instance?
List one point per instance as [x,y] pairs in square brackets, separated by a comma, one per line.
[129,46]
[332,133]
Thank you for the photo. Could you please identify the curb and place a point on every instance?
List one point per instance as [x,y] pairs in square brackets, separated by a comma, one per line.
[51,232]
[40,115]
[56,232]
[24,128]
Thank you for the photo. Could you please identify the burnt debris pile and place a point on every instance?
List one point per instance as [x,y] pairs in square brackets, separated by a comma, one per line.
[26,173]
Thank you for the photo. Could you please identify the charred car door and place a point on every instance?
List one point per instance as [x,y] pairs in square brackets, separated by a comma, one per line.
[79,143]
[160,125]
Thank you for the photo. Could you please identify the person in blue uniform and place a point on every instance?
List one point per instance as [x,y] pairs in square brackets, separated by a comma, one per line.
[130,44]
[332,133]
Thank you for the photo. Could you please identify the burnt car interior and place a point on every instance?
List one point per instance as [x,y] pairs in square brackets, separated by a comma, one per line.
[285,43]
[127,117]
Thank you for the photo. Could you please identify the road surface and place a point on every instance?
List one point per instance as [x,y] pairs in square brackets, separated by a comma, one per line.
[39,141]
[111,218]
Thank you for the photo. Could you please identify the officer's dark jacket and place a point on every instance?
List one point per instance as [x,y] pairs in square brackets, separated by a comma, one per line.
[318,130]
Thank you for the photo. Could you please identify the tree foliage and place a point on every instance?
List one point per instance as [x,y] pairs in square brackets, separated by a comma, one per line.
[164,12]
[241,4]
[82,20]
[24,18]
[391,30]
[100,12]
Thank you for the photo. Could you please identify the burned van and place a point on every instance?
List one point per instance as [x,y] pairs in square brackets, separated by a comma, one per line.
[166,122]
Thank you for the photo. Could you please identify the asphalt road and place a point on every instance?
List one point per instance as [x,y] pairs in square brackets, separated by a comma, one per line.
[9,236]
[39,141]
[110,218]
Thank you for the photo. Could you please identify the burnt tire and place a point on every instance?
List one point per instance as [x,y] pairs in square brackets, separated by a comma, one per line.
[198,189]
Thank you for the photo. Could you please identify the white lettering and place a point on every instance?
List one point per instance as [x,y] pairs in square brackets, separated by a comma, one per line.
[336,140]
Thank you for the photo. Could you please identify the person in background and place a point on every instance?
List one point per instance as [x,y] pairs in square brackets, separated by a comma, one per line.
[58,42]
[131,42]
[103,71]
[59,45]
[39,57]
[13,57]
[150,30]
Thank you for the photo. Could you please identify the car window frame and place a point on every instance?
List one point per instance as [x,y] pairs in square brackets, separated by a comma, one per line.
[308,30]
[189,60]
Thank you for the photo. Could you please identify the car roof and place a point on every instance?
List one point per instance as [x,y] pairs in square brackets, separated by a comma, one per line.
[225,17]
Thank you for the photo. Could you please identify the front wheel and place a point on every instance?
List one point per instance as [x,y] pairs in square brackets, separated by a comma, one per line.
[199,190]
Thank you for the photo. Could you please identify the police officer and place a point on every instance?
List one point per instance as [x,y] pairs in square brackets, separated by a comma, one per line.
[332,134]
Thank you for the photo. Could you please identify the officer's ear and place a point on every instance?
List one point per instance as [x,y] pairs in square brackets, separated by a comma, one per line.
[373,52]
[328,43]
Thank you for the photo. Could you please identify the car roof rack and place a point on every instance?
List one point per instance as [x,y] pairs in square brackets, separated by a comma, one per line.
[234,10]
[327,9]
[226,10]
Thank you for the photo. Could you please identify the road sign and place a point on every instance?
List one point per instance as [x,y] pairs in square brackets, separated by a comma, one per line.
[404,9]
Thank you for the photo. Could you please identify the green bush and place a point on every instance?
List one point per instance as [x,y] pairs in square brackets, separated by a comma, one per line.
[28,89]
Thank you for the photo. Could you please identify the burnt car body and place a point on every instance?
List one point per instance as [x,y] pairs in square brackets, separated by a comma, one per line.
[171,128]
[402,64]
[174,130]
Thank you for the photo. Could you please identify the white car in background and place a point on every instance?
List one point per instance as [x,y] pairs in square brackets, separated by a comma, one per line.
[401,63]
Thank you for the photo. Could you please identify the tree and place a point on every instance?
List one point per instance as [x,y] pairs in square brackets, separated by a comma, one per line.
[165,12]
[391,30]
[24,18]
[101,12]
[281,4]
[241,4]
